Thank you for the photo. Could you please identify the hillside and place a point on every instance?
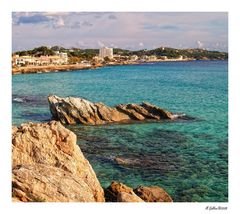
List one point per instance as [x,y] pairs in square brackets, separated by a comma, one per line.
[199,54]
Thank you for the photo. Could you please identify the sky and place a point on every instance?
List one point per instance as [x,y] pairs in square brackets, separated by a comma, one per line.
[127,30]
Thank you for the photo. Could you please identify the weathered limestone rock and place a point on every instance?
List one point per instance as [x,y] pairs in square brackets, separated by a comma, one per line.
[126,197]
[118,192]
[72,110]
[112,191]
[47,155]
[40,182]
[153,194]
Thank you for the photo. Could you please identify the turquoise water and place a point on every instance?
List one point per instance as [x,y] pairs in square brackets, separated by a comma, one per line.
[187,158]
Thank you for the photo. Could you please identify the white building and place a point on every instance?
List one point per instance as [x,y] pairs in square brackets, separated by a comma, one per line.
[63,57]
[134,58]
[23,60]
[106,52]
[97,59]
[58,59]
[180,57]
[144,58]
[152,58]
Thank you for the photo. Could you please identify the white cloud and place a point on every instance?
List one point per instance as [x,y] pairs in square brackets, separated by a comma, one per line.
[114,45]
[101,44]
[200,44]
[59,23]
[125,31]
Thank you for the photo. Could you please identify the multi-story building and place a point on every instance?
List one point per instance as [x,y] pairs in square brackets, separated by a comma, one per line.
[58,59]
[23,60]
[63,57]
[106,52]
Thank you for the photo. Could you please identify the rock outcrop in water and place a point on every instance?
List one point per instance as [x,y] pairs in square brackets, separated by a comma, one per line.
[152,194]
[72,110]
[49,166]
[118,192]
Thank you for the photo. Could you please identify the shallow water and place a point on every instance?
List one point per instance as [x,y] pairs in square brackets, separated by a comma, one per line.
[187,158]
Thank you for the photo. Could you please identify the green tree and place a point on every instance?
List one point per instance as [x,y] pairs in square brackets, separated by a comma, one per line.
[107,59]
[73,60]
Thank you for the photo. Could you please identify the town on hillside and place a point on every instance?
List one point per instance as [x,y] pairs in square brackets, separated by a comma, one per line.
[45,59]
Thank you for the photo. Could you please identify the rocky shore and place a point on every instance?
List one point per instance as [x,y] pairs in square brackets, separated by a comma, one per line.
[51,68]
[48,166]
[60,68]
[73,110]
[71,67]
[118,192]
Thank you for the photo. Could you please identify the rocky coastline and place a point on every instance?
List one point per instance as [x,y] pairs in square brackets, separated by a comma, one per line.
[52,68]
[72,110]
[48,166]
[65,68]
[73,67]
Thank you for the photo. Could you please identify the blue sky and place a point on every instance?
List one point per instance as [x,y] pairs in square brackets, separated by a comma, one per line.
[128,30]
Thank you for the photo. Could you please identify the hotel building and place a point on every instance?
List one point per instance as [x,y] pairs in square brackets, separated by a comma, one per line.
[106,52]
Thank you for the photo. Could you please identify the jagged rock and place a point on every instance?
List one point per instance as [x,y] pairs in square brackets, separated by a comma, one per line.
[50,148]
[152,194]
[126,197]
[114,193]
[72,110]
[119,192]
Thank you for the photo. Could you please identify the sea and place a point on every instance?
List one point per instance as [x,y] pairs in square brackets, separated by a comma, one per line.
[188,158]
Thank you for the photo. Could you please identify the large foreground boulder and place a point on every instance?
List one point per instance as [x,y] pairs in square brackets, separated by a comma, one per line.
[40,183]
[71,110]
[49,166]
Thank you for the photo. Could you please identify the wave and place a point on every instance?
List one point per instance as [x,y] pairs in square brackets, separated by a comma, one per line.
[18,100]
[182,116]
[179,115]
[37,100]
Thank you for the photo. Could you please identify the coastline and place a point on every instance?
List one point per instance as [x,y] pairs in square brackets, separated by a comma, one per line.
[51,68]
[72,67]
